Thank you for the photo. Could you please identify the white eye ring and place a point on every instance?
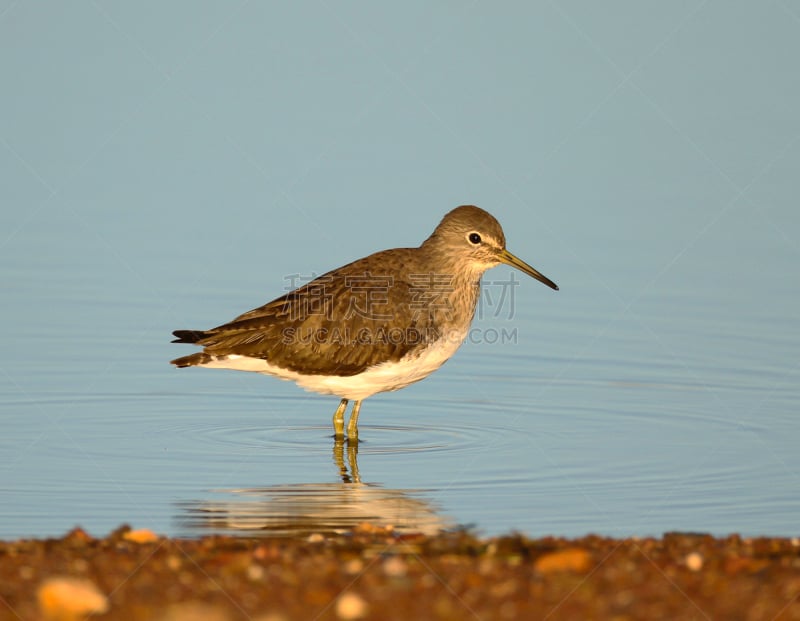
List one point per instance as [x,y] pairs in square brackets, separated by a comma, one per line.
[474,238]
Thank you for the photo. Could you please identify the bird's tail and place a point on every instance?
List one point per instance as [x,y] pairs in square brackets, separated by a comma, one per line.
[189,336]
[192,360]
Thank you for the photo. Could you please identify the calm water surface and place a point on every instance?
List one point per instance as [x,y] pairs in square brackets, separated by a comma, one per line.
[187,173]
[674,411]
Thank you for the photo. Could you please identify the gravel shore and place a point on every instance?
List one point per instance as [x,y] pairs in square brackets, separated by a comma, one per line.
[376,573]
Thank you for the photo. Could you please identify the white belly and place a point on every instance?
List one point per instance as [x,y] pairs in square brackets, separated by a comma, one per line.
[380,378]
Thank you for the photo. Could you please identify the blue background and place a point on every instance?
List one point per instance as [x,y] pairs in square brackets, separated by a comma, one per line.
[168,165]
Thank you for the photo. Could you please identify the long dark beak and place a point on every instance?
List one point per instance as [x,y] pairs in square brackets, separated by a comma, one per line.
[509,259]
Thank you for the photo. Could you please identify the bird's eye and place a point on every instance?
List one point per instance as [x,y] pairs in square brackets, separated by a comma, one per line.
[474,238]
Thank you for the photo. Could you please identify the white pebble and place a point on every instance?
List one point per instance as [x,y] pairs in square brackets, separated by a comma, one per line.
[395,567]
[255,572]
[70,598]
[354,566]
[351,606]
[694,561]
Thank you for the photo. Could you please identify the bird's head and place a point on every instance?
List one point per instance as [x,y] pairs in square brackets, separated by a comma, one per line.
[473,239]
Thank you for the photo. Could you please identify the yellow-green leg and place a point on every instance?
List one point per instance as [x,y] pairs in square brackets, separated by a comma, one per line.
[338,419]
[352,426]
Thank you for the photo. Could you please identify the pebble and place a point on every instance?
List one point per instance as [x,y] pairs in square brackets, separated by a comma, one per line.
[77,534]
[354,566]
[568,559]
[255,572]
[395,567]
[141,535]
[694,561]
[351,606]
[66,599]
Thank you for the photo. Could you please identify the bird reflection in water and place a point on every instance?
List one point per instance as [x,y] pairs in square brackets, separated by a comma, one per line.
[304,508]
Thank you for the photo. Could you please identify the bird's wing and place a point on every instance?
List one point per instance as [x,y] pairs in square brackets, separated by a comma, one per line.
[338,324]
